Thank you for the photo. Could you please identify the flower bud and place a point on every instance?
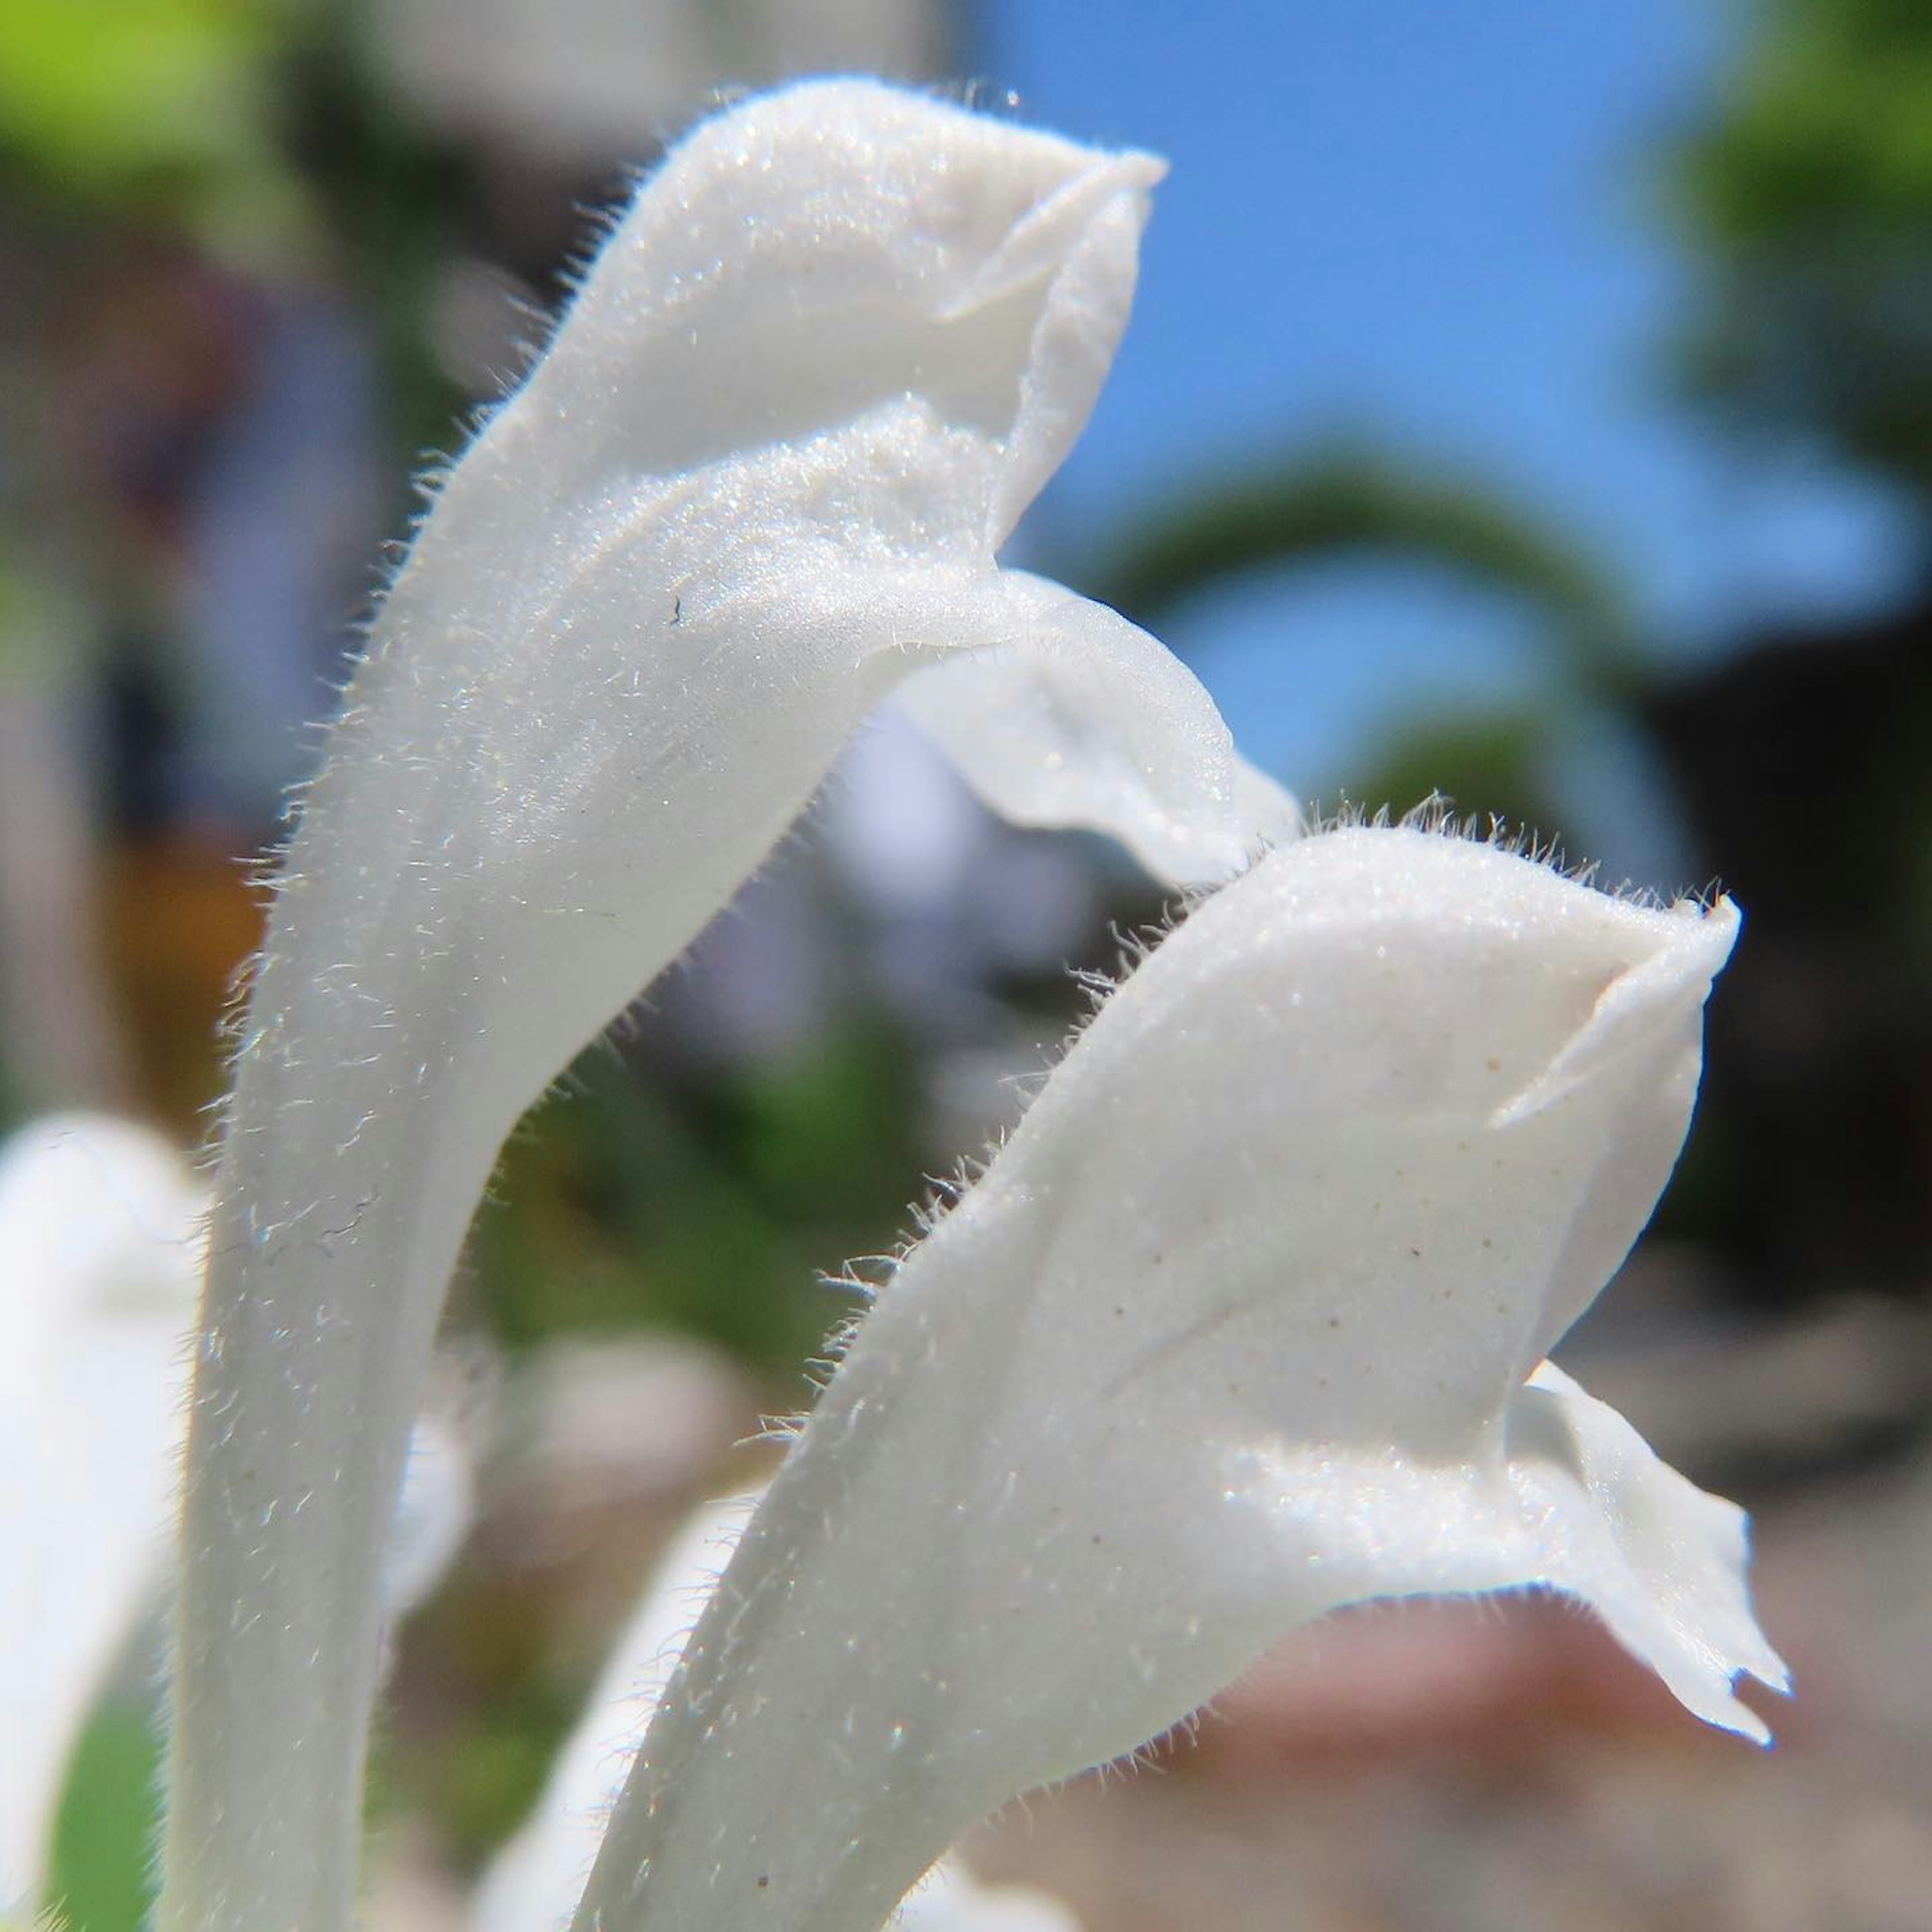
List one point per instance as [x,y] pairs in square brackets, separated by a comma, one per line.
[1246,1321]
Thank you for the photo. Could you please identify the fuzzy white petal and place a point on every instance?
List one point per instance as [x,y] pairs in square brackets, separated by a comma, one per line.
[834,346]
[536,1879]
[1579,1504]
[1084,720]
[533,1882]
[1235,1331]
[1664,1564]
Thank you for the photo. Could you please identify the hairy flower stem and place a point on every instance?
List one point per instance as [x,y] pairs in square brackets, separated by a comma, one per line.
[299,1430]
[371,1103]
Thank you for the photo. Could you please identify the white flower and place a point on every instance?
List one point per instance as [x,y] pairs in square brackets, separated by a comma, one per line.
[835,348]
[101,1253]
[99,1258]
[1246,1322]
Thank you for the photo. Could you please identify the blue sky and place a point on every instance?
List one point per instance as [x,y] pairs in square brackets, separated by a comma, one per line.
[1439,223]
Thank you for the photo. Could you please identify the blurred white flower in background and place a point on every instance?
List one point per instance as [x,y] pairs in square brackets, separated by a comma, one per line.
[102,1235]
[100,1256]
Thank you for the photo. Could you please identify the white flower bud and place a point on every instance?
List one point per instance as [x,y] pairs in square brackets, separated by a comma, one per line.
[1247,1322]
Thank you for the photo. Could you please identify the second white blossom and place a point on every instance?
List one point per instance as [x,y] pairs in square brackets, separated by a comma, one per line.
[1247,1322]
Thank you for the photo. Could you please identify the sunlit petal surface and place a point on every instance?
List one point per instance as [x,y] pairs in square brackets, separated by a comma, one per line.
[1247,1322]
[829,354]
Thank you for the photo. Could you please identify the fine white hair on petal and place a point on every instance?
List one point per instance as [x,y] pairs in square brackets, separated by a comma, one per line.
[834,348]
[533,1882]
[1247,1321]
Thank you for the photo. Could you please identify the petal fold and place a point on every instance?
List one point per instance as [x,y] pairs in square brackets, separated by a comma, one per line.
[1077,717]
[1581,1505]
[1664,1564]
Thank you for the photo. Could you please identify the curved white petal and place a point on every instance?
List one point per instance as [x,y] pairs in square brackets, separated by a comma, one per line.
[1580,1503]
[834,347]
[533,1882]
[1662,1563]
[100,1258]
[1080,718]
[1235,1330]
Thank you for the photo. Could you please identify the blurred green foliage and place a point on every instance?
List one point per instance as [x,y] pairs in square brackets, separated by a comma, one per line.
[103,1835]
[1311,508]
[506,1689]
[706,1205]
[162,108]
[261,131]
[1806,201]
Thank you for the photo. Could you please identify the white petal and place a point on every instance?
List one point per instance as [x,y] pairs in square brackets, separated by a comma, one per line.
[950,1900]
[1079,718]
[1581,1504]
[836,344]
[99,1258]
[1245,1305]
[101,1252]
[1662,1563]
[533,1882]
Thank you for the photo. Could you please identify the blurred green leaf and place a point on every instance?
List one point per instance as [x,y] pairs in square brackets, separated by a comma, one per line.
[1806,199]
[163,109]
[710,1212]
[100,91]
[1312,509]
[105,1831]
